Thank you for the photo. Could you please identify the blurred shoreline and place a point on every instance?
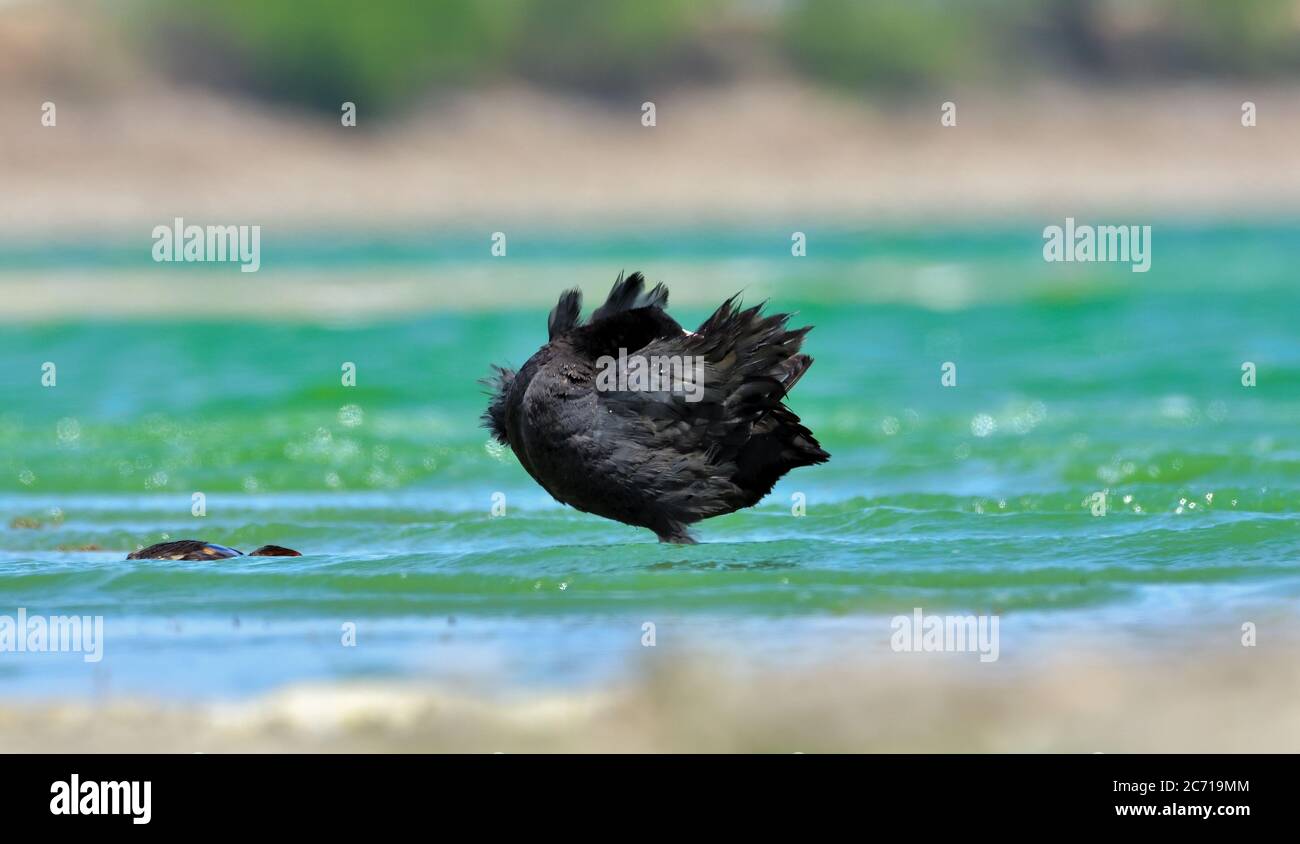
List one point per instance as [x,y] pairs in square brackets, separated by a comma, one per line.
[767,152]
[233,115]
[1193,698]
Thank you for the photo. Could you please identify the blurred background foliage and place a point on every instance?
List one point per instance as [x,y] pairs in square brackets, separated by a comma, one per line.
[390,53]
[387,52]
[891,45]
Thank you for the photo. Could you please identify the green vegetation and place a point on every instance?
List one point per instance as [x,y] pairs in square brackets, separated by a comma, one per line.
[384,52]
[387,53]
[889,45]
[321,53]
[1254,37]
[610,46]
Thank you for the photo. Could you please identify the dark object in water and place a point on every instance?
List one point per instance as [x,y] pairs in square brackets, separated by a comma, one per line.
[193,549]
[274,551]
[708,434]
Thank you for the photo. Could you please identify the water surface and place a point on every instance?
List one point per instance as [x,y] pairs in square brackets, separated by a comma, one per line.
[1071,382]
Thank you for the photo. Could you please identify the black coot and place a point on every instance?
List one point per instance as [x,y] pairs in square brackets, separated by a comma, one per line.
[629,417]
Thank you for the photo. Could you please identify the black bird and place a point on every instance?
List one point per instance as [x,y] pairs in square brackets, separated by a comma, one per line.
[709,435]
[194,549]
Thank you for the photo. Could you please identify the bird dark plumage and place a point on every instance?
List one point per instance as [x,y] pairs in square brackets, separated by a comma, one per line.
[274,551]
[193,549]
[704,438]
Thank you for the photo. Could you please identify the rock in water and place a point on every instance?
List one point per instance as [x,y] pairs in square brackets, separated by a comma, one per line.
[194,549]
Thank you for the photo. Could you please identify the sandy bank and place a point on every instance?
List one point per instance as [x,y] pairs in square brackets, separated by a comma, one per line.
[761,150]
[1217,700]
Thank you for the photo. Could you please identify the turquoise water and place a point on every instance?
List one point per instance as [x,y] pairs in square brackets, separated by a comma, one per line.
[979,497]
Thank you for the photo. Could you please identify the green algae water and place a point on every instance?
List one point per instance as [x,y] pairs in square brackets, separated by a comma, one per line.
[1098,464]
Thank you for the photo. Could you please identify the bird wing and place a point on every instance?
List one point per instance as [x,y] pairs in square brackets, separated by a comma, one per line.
[184,549]
[733,372]
[630,294]
[627,294]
